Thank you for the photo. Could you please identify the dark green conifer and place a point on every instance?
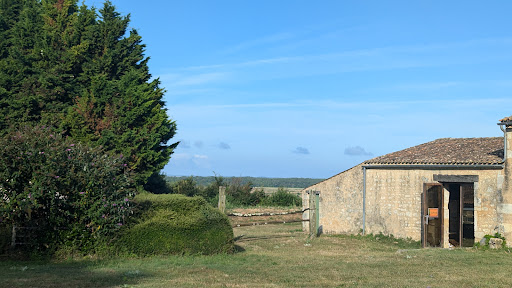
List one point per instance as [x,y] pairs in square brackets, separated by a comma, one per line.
[79,70]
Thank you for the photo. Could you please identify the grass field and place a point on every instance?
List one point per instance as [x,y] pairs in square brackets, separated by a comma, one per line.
[280,256]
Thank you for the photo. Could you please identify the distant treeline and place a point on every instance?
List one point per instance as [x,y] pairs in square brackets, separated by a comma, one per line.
[256,181]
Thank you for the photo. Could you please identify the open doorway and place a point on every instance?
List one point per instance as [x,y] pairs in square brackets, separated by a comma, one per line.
[461,214]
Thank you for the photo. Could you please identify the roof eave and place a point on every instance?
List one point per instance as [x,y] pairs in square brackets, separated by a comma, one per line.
[433,166]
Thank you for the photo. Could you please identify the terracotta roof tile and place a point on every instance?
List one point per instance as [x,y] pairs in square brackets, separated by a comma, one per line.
[448,151]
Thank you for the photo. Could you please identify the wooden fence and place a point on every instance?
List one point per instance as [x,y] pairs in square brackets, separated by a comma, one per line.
[259,214]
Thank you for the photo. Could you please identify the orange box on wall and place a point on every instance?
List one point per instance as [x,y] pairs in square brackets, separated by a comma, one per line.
[433,212]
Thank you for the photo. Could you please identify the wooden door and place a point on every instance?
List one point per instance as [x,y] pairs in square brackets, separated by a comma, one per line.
[432,216]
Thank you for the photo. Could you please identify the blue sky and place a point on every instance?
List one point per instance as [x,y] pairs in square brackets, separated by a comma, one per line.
[311,88]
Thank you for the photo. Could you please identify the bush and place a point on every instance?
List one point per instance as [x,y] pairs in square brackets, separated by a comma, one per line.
[176,224]
[186,187]
[69,194]
[237,193]
[242,195]
[283,198]
[488,237]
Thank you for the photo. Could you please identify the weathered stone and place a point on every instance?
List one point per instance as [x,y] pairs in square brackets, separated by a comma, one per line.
[483,241]
[394,201]
[495,243]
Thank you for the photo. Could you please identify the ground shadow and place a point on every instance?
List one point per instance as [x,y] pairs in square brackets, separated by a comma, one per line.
[68,274]
[238,249]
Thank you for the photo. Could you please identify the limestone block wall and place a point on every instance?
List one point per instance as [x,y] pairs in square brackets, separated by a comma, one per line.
[393,201]
[341,202]
[488,199]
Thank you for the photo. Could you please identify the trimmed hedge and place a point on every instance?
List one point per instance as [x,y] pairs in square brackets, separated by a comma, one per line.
[176,224]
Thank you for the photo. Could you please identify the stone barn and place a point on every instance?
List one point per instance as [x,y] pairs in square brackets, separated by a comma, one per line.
[448,192]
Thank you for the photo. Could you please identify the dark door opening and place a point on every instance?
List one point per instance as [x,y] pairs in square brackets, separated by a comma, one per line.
[461,214]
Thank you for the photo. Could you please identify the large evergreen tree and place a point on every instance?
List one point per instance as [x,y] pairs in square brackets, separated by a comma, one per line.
[70,67]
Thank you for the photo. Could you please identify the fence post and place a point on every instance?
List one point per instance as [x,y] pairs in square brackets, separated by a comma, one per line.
[317,206]
[314,213]
[222,198]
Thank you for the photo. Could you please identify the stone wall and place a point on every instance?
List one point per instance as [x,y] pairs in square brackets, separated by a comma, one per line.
[506,206]
[393,201]
[341,202]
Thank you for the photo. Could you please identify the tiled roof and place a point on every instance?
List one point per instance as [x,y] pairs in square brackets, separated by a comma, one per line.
[448,151]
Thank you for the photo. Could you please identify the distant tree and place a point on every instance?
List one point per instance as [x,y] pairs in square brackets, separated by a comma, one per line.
[62,65]
[211,191]
[186,187]
[283,198]
[256,181]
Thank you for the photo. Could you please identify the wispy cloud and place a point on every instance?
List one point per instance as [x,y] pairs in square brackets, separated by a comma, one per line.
[201,161]
[255,62]
[369,59]
[321,34]
[271,39]
[301,150]
[338,104]
[178,80]
[199,144]
[357,151]
[180,156]
[261,105]
[176,91]
[428,85]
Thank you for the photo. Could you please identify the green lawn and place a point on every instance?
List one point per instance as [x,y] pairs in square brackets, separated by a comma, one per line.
[280,256]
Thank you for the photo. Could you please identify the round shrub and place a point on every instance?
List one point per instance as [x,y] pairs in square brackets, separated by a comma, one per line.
[176,224]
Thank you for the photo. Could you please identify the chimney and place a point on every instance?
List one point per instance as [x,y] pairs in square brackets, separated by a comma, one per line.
[506,127]
[506,206]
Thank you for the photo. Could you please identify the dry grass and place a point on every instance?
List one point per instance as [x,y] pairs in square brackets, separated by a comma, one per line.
[280,256]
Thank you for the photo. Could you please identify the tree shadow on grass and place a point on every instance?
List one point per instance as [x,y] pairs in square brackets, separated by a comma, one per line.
[27,274]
